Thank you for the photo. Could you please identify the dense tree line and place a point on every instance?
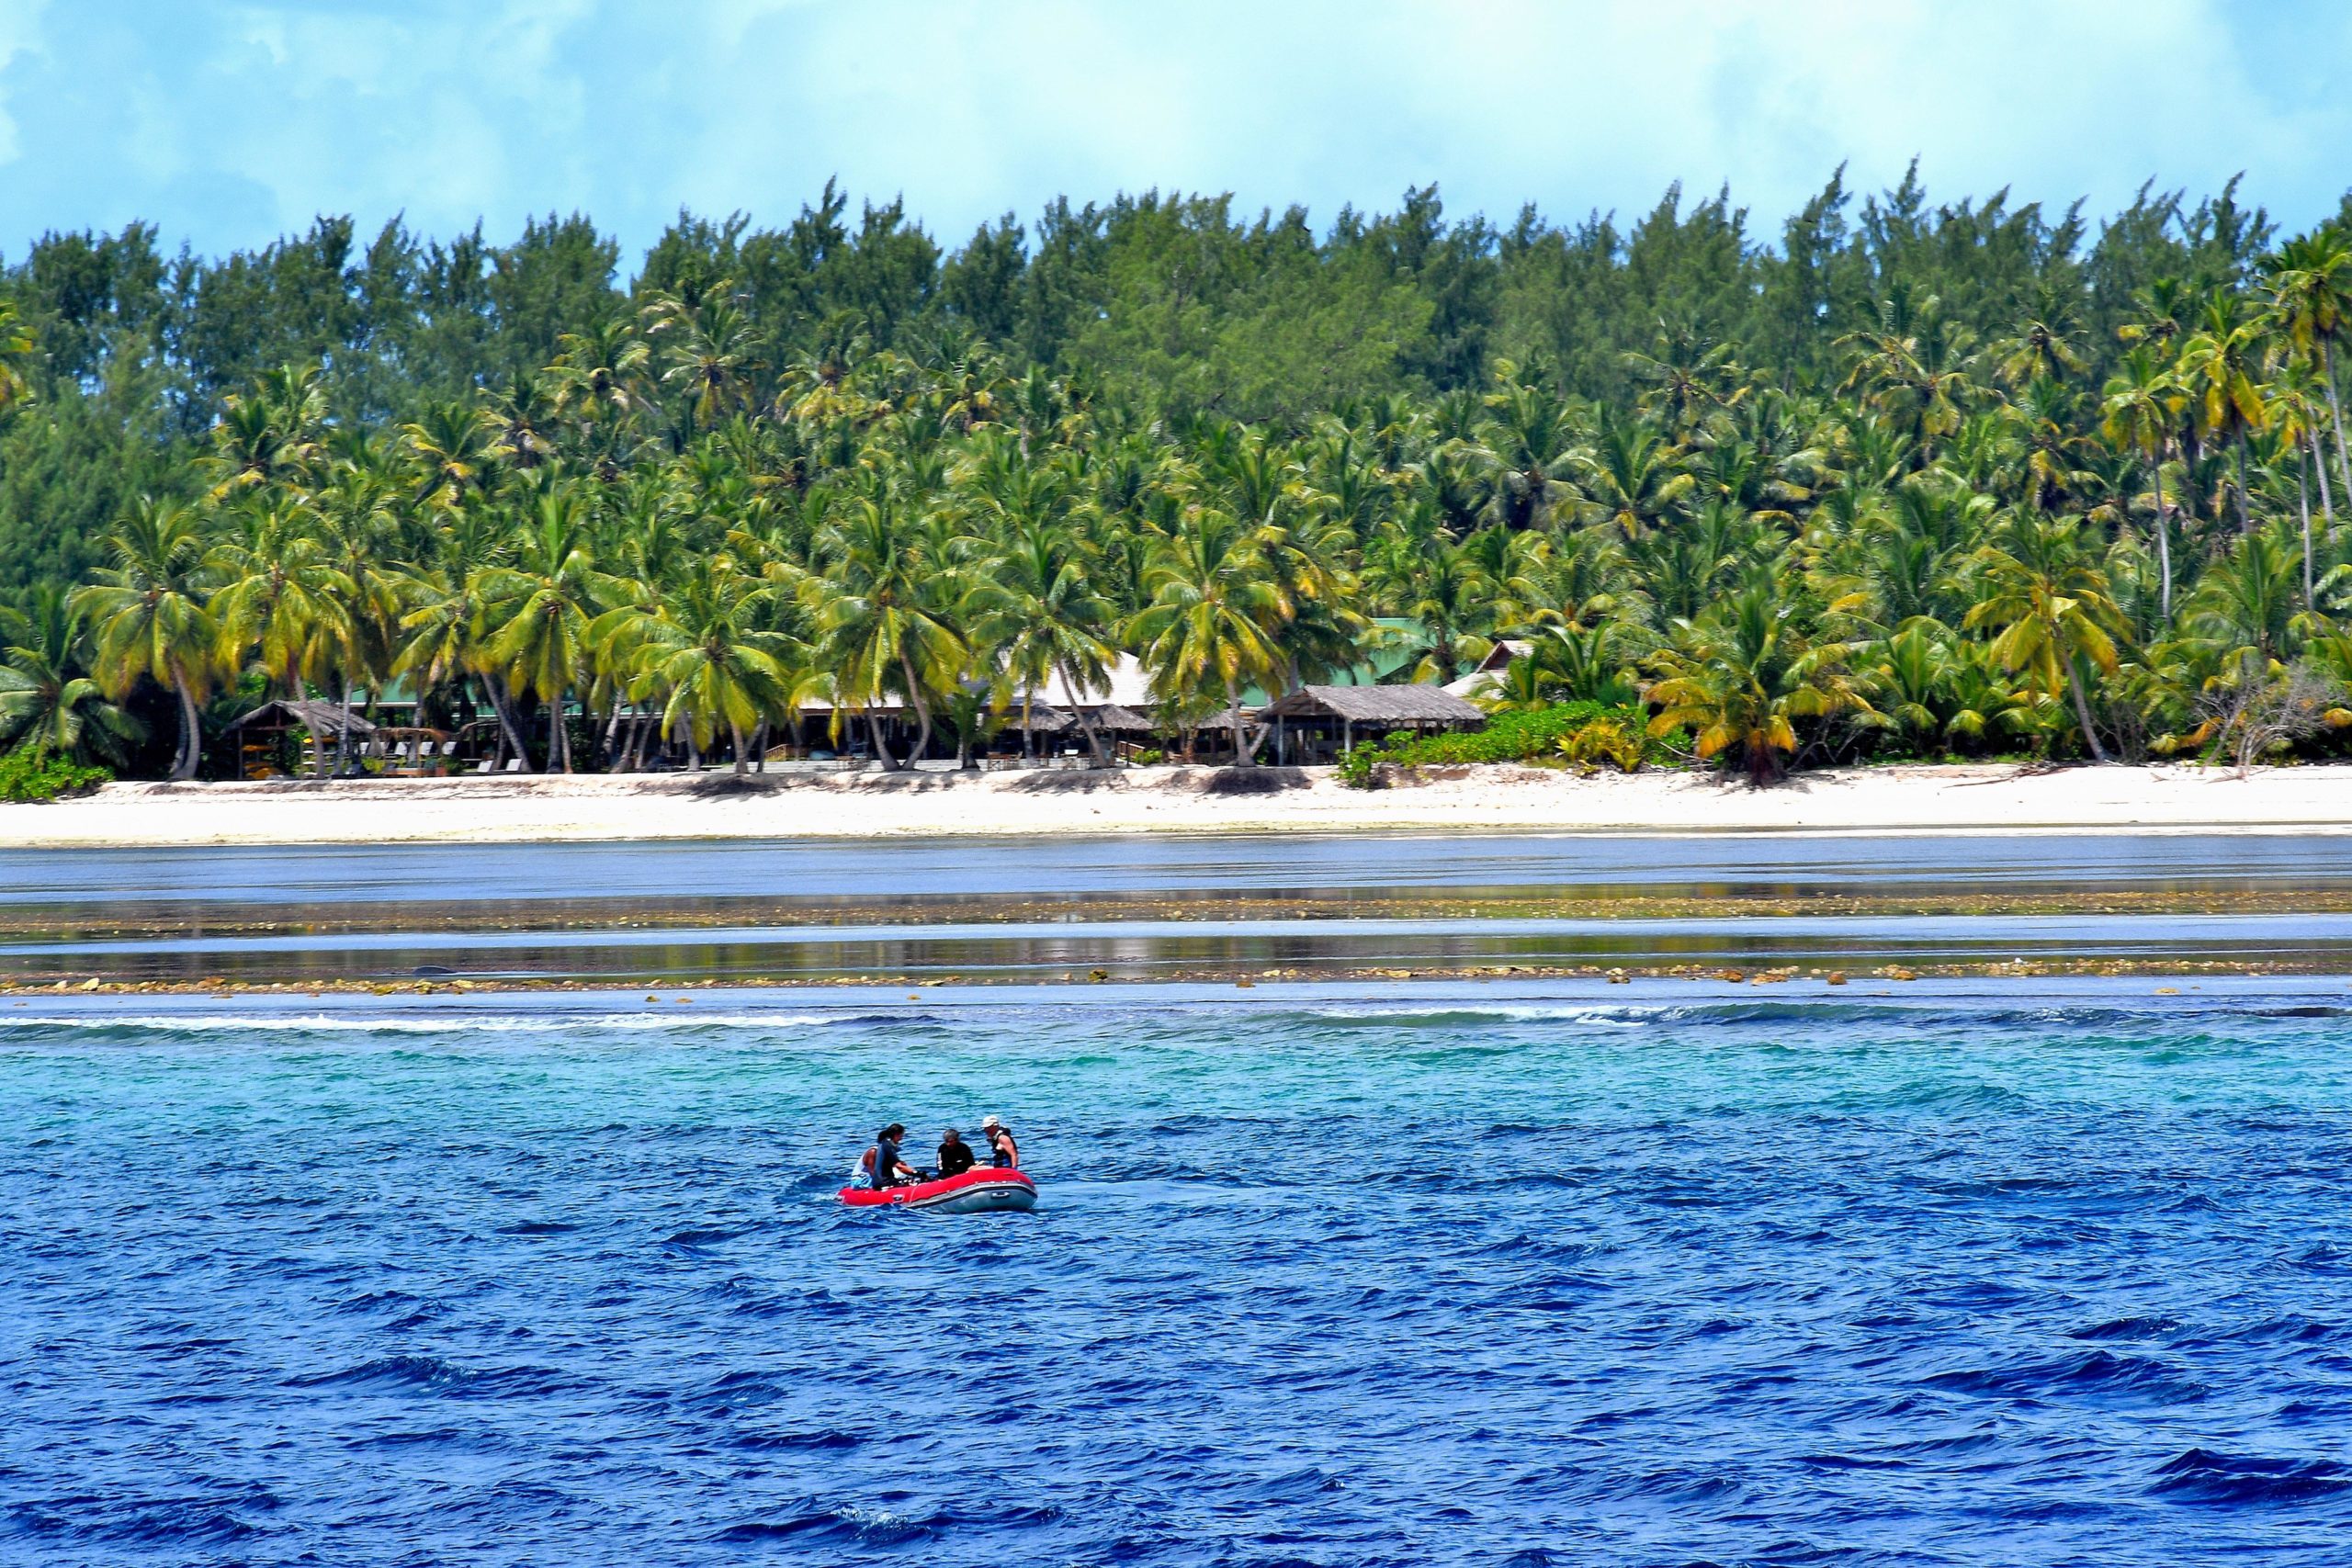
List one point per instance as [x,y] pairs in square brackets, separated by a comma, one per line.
[1912,478]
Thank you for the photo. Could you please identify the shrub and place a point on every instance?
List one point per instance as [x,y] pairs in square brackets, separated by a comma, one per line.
[1618,735]
[28,775]
[1604,742]
[1147,756]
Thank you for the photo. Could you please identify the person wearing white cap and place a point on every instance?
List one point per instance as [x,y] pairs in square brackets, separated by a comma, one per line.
[1006,1154]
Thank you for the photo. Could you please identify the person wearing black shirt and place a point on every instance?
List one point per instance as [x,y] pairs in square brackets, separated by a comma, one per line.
[887,1170]
[955,1154]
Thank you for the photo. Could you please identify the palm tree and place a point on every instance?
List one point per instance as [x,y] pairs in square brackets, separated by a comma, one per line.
[1421,574]
[1033,604]
[1741,676]
[1633,476]
[2311,297]
[1212,619]
[2054,609]
[283,599]
[1914,366]
[1533,440]
[2221,366]
[445,628]
[880,596]
[151,617]
[704,655]
[47,704]
[2294,427]
[270,436]
[451,443]
[597,374]
[543,606]
[2141,412]
[2245,605]
[709,352]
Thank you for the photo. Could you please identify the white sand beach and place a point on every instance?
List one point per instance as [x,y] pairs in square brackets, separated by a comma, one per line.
[1990,799]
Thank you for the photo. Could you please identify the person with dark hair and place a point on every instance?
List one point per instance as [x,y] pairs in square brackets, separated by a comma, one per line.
[887,1170]
[956,1155]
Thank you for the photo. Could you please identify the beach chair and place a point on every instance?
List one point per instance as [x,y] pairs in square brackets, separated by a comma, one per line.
[513,764]
[482,766]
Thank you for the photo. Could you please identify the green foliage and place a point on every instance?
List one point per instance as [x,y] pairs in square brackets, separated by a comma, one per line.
[1605,742]
[1905,477]
[1587,733]
[29,775]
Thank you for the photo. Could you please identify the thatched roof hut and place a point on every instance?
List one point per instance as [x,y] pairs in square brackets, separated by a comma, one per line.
[1318,723]
[320,718]
[1119,719]
[1396,707]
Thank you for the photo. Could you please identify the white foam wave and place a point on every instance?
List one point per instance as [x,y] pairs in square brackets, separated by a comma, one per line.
[1598,1018]
[456,1023]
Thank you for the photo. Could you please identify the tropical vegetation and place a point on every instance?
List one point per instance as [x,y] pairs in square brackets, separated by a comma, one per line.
[1911,479]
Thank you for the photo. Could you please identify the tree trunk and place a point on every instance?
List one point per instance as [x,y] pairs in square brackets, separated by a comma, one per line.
[2304,510]
[2245,513]
[342,741]
[1085,719]
[191,733]
[923,711]
[1242,757]
[2083,711]
[502,704]
[317,741]
[1028,726]
[743,763]
[881,748]
[2164,541]
[611,729]
[2335,409]
[2326,499]
[555,734]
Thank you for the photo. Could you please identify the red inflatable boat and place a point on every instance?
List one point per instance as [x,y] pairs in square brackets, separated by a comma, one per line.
[985,1191]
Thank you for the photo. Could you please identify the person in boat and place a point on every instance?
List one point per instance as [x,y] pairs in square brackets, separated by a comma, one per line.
[956,1155]
[888,1169]
[1004,1154]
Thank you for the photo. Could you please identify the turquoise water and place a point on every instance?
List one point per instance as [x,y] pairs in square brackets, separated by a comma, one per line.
[2057,1272]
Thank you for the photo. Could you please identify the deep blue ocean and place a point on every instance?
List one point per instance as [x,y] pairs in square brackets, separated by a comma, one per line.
[2023,1274]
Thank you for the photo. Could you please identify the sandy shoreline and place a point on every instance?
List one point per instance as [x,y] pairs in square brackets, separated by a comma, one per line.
[1992,799]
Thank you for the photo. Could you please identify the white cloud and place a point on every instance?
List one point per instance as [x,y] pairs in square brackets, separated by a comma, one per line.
[19,31]
[229,122]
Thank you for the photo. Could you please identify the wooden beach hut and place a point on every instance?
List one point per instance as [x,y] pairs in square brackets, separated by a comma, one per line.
[262,734]
[1317,724]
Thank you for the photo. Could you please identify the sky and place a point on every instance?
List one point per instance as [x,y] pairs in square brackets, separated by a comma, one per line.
[226,124]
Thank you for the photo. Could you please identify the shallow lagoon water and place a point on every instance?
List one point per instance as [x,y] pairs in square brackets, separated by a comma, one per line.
[1158,910]
[1964,1273]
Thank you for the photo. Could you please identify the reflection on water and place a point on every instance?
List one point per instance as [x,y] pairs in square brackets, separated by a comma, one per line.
[336,874]
[1007,910]
[1139,950]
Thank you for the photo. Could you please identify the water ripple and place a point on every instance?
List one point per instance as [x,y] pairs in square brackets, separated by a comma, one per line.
[1863,1281]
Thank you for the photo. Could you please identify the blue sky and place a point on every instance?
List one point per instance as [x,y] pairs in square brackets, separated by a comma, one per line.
[228,123]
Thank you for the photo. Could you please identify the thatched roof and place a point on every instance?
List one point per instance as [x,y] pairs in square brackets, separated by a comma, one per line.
[322,719]
[1116,717]
[1376,704]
